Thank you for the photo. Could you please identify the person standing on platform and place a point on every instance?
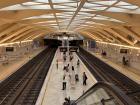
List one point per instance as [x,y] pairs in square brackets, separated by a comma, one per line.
[78,63]
[64,83]
[57,63]
[67,101]
[84,78]
[72,77]
[64,58]
[73,68]
[67,68]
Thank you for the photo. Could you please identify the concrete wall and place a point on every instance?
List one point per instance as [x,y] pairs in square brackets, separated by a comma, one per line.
[113,53]
[20,49]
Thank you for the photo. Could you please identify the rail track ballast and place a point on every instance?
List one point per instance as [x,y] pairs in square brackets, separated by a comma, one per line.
[23,87]
[104,72]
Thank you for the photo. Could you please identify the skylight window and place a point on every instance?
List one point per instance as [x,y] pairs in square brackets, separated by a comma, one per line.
[21,7]
[45,1]
[41,16]
[61,1]
[107,3]
[31,3]
[115,9]
[69,17]
[89,5]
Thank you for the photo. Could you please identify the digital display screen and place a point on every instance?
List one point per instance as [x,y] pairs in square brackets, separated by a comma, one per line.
[63,49]
[9,49]
[123,50]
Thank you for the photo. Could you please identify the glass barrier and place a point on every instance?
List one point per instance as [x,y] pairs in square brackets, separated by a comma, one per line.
[98,97]
[103,93]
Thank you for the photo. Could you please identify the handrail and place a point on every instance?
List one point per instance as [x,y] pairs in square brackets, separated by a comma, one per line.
[114,91]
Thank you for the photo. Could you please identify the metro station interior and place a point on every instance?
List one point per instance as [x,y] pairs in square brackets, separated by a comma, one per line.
[69,52]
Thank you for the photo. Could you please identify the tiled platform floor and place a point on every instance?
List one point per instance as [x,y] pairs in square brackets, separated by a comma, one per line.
[54,95]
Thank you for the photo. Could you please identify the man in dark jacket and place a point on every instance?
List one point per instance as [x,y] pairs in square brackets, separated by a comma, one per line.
[84,78]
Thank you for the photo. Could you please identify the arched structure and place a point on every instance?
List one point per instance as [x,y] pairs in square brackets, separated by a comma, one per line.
[115,21]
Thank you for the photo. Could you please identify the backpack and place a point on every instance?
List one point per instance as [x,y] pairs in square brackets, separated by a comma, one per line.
[86,77]
[76,77]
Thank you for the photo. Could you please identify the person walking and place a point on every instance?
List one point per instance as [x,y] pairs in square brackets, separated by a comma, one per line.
[84,78]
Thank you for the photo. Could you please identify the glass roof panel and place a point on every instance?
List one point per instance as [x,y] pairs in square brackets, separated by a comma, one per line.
[31,3]
[60,1]
[104,2]
[70,16]
[21,7]
[115,9]
[71,4]
[89,5]
[99,8]
[45,1]
[126,5]
[83,9]
[123,3]
[59,6]
[41,16]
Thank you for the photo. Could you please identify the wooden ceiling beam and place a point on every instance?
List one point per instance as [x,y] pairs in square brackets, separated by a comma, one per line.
[131,18]
[9,29]
[88,34]
[134,2]
[15,34]
[111,36]
[104,36]
[102,32]
[99,35]
[36,36]
[22,34]
[82,2]
[21,14]
[34,33]
[120,36]
[26,35]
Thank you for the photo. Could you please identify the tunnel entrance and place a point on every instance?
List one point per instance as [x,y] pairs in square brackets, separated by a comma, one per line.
[52,42]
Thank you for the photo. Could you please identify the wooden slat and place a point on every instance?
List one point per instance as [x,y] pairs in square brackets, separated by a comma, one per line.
[131,18]
[20,14]
[5,3]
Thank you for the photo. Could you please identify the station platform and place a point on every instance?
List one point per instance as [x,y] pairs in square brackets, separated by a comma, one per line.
[126,70]
[9,68]
[52,93]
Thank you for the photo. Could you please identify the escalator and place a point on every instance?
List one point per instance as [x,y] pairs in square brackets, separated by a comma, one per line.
[103,93]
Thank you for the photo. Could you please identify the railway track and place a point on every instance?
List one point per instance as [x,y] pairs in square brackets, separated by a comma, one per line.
[23,87]
[103,72]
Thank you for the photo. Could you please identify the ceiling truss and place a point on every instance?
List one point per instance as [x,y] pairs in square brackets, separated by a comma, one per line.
[116,21]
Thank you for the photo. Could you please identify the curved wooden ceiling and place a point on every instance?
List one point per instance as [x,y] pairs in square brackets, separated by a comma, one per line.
[116,21]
